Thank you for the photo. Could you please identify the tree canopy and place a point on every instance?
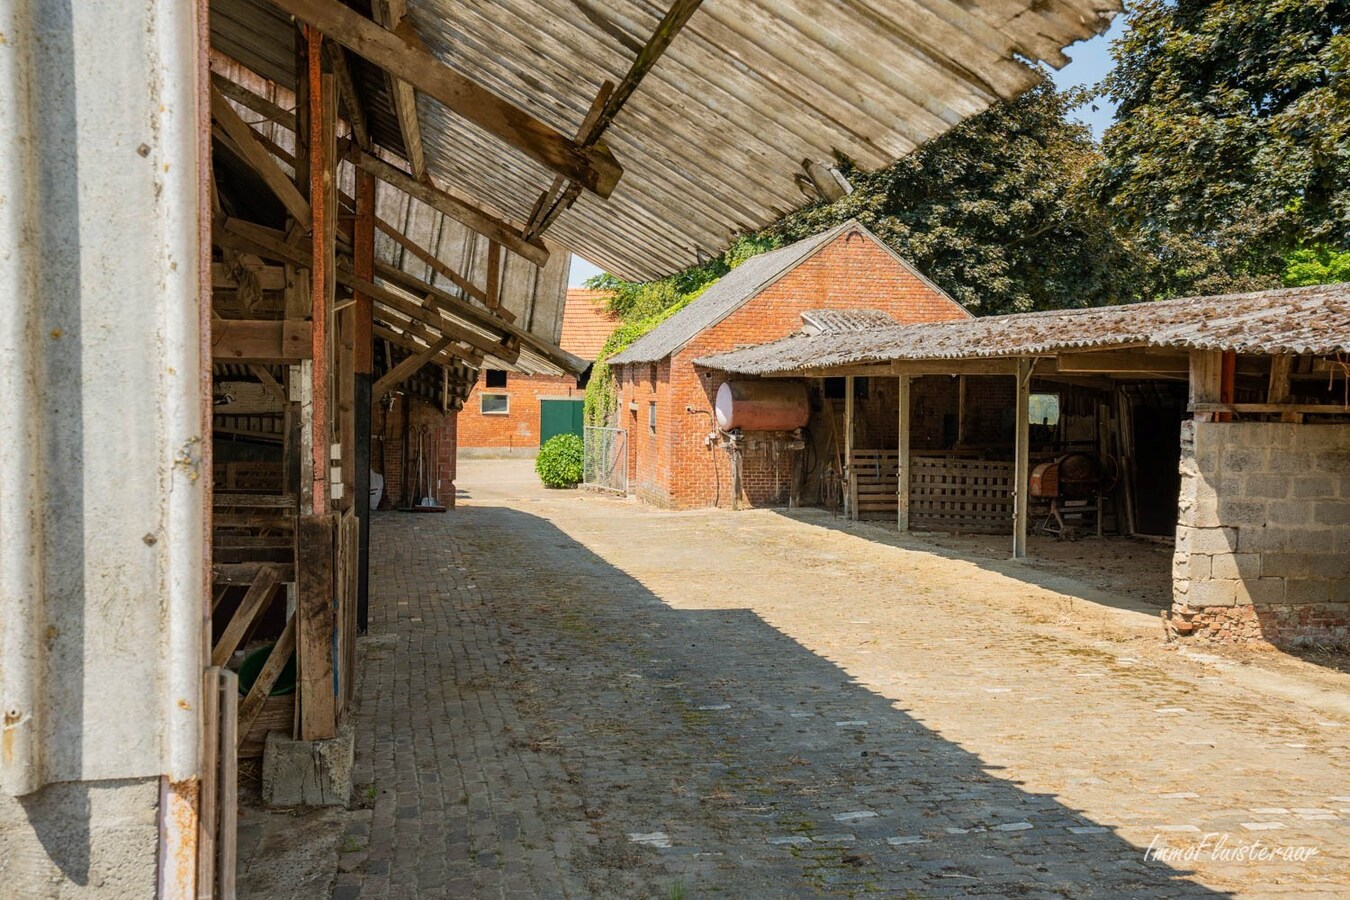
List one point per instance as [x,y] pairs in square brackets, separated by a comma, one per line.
[1231,145]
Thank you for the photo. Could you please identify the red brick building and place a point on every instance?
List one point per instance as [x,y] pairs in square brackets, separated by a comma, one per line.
[676,456]
[506,412]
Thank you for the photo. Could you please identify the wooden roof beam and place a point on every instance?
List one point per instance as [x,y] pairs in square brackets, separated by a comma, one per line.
[393,15]
[407,368]
[461,211]
[607,104]
[351,99]
[593,166]
[247,143]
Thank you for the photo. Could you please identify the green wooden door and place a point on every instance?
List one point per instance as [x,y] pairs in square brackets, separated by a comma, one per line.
[559,417]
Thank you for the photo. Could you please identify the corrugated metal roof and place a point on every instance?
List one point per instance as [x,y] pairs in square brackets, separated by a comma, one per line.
[834,321]
[726,296]
[1311,320]
[587,322]
[713,139]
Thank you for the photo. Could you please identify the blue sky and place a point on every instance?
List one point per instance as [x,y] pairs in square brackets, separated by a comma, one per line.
[1090,61]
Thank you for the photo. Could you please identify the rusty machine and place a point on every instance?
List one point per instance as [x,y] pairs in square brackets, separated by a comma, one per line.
[1075,484]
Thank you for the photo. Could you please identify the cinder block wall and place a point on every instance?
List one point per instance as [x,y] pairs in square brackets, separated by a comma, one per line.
[1263,533]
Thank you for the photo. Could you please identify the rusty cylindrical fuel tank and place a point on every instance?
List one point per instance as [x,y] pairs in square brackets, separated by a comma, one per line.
[762,405]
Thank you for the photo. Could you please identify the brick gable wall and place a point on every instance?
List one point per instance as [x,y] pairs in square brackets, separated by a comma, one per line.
[518,430]
[675,467]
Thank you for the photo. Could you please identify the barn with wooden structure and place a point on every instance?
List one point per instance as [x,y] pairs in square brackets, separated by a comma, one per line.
[233,228]
[1220,424]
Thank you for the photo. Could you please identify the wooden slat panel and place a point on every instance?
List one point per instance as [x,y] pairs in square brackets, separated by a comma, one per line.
[948,492]
[267,677]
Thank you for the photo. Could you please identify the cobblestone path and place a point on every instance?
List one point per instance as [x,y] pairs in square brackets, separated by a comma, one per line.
[572,696]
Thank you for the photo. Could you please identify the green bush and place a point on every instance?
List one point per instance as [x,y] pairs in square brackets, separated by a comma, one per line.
[559,461]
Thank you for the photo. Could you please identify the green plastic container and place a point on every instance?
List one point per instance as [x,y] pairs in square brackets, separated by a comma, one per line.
[252,665]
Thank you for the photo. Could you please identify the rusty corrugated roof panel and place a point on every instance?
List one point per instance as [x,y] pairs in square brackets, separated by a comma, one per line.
[714,138]
[1311,320]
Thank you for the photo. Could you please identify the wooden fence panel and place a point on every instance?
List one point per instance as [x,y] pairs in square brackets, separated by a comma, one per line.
[947,492]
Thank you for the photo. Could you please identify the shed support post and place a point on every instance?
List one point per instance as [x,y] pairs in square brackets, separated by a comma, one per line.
[1021,459]
[1206,382]
[363,265]
[850,489]
[902,466]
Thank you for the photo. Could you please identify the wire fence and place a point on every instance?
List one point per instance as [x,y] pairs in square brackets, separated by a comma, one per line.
[605,458]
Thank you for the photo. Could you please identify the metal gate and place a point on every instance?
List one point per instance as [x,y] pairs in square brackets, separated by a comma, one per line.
[605,460]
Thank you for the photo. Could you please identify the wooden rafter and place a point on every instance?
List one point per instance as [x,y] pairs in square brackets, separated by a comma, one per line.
[593,166]
[407,368]
[610,100]
[438,265]
[246,141]
[351,98]
[392,14]
[460,210]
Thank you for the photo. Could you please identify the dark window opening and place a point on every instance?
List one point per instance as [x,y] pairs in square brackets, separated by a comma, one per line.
[495,378]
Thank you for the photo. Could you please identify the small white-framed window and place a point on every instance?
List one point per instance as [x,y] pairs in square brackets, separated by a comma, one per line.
[494,404]
[651,416]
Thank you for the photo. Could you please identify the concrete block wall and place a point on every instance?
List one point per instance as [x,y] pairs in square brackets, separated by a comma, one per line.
[1263,533]
[517,432]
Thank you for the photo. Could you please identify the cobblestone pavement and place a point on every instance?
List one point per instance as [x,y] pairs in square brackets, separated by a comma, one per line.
[572,696]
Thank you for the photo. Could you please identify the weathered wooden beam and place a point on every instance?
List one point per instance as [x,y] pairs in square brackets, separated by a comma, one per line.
[408,342]
[850,476]
[260,340]
[461,211]
[267,678]
[594,167]
[254,602]
[315,590]
[1124,361]
[1317,409]
[393,15]
[1279,386]
[351,98]
[902,463]
[1206,377]
[323,261]
[1022,459]
[670,25]
[269,278]
[407,367]
[437,265]
[494,275]
[430,315]
[262,162]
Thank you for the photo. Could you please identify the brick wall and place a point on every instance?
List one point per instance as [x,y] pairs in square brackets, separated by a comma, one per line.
[1263,535]
[674,466]
[388,431]
[517,432]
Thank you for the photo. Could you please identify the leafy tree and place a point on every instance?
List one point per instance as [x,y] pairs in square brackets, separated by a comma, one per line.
[1231,147]
[1317,265]
[993,211]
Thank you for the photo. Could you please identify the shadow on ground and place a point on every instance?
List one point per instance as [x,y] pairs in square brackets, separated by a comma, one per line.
[765,767]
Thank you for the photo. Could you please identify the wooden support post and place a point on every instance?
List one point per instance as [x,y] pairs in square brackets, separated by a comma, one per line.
[1280,368]
[227,782]
[1227,377]
[851,492]
[363,265]
[1206,380]
[315,590]
[1021,459]
[321,272]
[902,466]
[960,410]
